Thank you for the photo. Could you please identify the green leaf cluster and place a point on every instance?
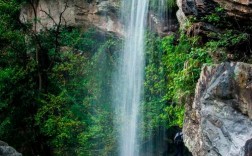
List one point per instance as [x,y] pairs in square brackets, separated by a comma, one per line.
[183,62]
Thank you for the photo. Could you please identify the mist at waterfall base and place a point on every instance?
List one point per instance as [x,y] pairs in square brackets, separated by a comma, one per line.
[128,91]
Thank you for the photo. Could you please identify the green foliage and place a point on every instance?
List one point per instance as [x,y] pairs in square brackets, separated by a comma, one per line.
[224,35]
[216,17]
[99,138]
[74,115]
[228,38]
[58,122]
[173,116]
[17,91]
[171,3]
[154,85]
[212,18]
[183,63]
[54,94]
[156,5]
[171,73]
[228,41]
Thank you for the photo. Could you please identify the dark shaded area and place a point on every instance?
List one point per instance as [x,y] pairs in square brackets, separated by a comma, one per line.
[248,148]
[163,22]
[162,144]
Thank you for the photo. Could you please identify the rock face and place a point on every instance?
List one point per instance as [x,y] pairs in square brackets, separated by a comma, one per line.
[218,123]
[193,7]
[239,9]
[103,14]
[73,13]
[163,27]
[6,150]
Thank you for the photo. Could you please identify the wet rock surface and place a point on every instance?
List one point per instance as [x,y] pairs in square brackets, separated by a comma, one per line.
[219,120]
[6,150]
[163,27]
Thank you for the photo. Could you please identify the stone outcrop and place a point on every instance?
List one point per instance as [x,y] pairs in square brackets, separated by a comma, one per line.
[218,123]
[195,8]
[238,9]
[180,14]
[73,13]
[102,14]
[202,29]
[6,150]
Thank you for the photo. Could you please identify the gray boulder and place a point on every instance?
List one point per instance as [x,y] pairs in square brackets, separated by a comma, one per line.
[6,150]
[218,123]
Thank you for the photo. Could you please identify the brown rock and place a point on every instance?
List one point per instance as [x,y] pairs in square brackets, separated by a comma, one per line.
[204,30]
[77,13]
[240,9]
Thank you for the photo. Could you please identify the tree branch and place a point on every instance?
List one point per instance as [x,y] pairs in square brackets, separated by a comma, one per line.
[48,14]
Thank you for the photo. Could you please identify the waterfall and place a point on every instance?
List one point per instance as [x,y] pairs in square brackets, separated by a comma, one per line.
[129,76]
[129,79]
[164,14]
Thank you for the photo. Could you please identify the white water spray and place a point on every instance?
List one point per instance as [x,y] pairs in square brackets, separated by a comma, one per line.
[130,75]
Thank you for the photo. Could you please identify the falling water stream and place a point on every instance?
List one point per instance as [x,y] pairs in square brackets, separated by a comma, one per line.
[129,77]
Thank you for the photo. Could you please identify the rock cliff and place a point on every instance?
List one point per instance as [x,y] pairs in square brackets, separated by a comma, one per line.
[218,123]
[238,9]
[73,13]
[102,14]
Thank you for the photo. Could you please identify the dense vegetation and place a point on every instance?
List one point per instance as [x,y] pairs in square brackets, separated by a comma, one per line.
[55,87]
[55,84]
[174,63]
